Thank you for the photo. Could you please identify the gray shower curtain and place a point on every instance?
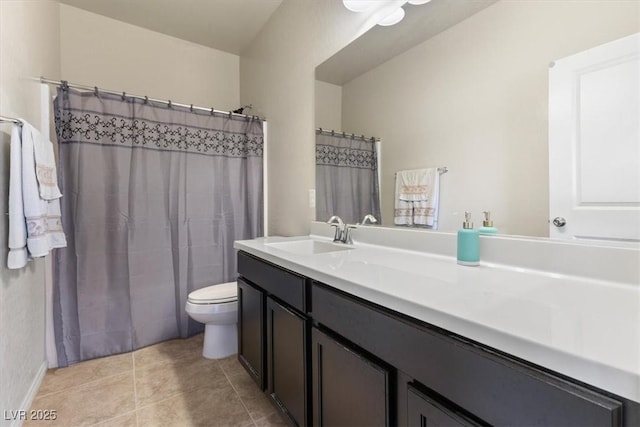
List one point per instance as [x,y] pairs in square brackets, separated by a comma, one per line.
[346,178]
[154,198]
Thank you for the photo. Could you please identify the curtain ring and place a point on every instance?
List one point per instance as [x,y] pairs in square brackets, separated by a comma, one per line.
[212,111]
[169,104]
[363,138]
[146,99]
[230,114]
[191,108]
[95,90]
[333,132]
[65,85]
[344,135]
[320,130]
[353,135]
[124,94]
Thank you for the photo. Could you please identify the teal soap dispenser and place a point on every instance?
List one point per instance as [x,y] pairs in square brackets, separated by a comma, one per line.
[468,243]
[487,225]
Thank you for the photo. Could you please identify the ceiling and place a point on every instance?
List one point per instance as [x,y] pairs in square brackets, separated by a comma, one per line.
[231,25]
[380,44]
[227,25]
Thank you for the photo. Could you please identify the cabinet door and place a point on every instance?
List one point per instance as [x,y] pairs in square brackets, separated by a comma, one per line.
[286,361]
[424,411]
[251,330]
[348,388]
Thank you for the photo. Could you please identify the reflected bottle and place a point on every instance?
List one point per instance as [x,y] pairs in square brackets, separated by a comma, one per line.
[468,243]
[487,225]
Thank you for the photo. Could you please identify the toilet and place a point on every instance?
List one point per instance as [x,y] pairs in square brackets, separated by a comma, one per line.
[217,307]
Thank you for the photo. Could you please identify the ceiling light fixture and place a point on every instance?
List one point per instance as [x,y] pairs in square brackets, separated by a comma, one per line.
[393,19]
[358,5]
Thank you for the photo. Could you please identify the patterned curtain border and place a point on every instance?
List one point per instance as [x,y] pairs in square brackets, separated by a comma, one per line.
[345,157]
[114,130]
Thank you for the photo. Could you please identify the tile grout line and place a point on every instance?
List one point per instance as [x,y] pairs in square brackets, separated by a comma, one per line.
[135,388]
[253,421]
[110,419]
[72,388]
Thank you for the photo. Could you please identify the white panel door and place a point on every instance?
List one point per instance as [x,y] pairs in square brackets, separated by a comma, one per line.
[594,143]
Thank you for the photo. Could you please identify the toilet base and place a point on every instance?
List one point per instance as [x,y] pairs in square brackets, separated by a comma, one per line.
[220,341]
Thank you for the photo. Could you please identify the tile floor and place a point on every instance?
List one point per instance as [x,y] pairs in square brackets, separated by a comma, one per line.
[167,384]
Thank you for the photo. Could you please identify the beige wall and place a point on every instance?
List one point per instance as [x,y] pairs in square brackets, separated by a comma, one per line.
[328,106]
[277,77]
[114,55]
[29,47]
[474,99]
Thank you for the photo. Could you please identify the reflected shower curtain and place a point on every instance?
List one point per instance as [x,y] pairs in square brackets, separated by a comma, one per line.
[154,199]
[346,178]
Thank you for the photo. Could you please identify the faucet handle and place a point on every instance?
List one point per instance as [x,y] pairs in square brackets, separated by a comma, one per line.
[346,237]
[337,236]
[336,221]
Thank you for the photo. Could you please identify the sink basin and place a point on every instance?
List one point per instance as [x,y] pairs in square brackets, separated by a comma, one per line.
[308,247]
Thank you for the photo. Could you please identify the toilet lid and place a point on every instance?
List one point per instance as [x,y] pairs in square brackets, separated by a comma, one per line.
[225,292]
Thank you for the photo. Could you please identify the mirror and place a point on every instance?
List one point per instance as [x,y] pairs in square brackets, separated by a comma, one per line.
[464,85]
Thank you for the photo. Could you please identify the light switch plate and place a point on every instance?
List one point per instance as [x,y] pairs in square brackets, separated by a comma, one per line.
[312,198]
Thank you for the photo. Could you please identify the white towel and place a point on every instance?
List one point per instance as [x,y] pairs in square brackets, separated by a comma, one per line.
[414,185]
[44,224]
[403,210]
[417,197]
[18,256]
[28,211]
[46,168]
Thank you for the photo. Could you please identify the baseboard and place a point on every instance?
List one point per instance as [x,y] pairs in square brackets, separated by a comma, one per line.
[31,394]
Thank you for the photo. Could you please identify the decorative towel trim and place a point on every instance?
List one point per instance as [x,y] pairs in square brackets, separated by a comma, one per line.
[43,224]
[415,193]
[46,176]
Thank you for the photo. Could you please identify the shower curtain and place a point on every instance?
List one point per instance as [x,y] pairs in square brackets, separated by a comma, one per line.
[154,198]
[346,178]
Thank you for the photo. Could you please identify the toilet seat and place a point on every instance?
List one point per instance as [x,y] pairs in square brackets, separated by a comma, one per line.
[215,294]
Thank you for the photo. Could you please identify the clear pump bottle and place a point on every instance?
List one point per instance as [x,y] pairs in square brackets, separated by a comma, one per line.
[468,243]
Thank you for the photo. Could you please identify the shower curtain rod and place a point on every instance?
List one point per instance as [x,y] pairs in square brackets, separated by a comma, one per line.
[4,119]
[168,103]
[345,135]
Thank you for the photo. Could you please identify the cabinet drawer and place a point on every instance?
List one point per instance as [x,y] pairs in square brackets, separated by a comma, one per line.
[284,285]
[492,387]
[425,411]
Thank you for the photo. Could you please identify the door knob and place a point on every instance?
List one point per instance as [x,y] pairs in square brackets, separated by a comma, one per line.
[559,221]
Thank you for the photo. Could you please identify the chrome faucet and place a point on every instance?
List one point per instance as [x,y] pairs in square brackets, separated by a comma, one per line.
[343,231]
[336,221]
[369,218]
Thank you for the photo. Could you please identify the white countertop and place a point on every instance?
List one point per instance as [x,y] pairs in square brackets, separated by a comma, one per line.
[584,328]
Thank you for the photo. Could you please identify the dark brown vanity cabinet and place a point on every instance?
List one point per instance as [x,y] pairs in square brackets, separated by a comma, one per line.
[251,331]
[273,334]
[328,358]
[349,388]
[490,387]
[287,361]
[426,411]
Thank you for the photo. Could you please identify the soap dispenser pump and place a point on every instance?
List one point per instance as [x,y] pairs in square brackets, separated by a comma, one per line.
[487,225]
[468,243]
